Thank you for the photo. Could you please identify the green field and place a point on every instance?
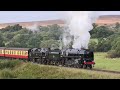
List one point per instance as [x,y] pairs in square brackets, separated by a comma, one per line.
[16,69]
[106,63]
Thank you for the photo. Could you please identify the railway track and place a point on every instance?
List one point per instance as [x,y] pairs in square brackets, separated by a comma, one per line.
[99,70]
[108,71]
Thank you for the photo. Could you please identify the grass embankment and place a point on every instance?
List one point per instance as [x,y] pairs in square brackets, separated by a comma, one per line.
[21,70]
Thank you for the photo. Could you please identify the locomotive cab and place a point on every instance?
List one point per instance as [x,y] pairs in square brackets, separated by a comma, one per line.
[88,59]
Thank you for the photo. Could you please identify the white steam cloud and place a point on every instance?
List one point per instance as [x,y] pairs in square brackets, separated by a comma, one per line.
[79,24]
[33,27]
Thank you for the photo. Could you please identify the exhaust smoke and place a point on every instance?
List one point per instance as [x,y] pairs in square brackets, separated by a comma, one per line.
[79,24]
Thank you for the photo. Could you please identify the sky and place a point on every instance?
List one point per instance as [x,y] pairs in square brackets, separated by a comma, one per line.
[25,16]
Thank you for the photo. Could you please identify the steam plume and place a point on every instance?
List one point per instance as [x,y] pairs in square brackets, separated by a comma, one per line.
[79,24]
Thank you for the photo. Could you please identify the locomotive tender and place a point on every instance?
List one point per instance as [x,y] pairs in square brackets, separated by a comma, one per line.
[66,57]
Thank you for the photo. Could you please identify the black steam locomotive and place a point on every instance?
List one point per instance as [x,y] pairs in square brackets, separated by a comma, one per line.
[67,57]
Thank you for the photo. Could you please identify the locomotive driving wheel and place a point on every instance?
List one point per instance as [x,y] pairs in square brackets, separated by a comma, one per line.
[90,66]
[81,66]
[33,60]
[85,66]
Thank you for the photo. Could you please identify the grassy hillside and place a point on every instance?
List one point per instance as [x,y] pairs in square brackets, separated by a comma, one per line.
[20,70]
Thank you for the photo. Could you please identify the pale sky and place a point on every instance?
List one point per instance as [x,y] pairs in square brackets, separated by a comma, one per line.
[24,16]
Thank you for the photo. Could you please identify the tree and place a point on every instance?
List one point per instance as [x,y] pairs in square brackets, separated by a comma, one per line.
[55,31]
[43,28]
[50,44]
[103,45]
[1,40]
[23,31]
[115,51]
[22,39]
[14,28]
[117,26]
[116,45]
[101,32]
[8,35]
[46,36]
[93,45]
[95,25]
[34,41]
[13,44]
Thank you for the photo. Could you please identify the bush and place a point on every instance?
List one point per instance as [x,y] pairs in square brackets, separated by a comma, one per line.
[115,51]
[112,54]
[6,74]
[9,64]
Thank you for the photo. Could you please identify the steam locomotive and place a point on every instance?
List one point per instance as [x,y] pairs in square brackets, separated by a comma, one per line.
[66,57]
